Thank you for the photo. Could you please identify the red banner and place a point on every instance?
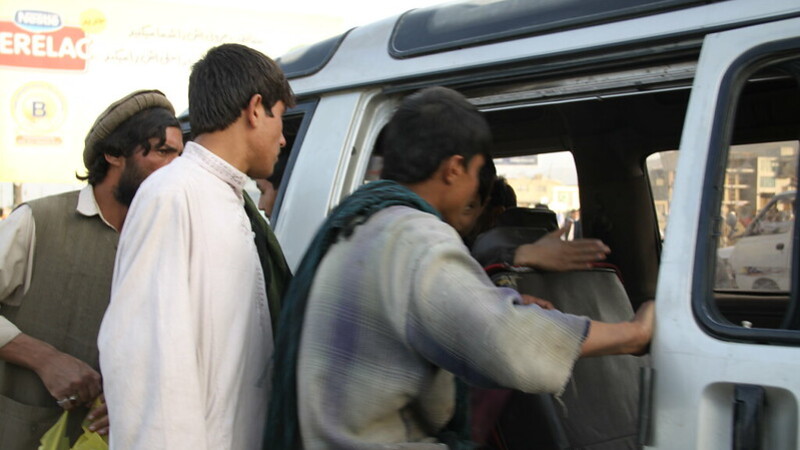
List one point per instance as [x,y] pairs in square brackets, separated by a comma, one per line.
[64,49]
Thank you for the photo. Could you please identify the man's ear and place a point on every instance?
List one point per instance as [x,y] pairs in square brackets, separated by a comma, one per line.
[115,161]
[452,168]
[254,109]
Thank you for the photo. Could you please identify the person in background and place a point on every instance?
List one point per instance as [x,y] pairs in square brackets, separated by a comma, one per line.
[266,201]
[550,252]
[573,225]
[186,342]
[501,198]
[56,260]
[268,188]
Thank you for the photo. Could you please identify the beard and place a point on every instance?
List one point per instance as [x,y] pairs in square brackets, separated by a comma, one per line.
[129,182]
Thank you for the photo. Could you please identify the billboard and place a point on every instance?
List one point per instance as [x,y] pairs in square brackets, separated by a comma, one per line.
[62,63]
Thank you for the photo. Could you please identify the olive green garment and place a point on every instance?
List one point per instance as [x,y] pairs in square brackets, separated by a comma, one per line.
[73,263]
[276,272]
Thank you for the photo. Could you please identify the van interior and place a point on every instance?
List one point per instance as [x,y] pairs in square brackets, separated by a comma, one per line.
[611,135]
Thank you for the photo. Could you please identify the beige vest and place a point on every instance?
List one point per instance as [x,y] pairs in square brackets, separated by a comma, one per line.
[73,263]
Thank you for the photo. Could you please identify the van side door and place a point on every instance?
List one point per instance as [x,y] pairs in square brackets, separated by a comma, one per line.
[726,362]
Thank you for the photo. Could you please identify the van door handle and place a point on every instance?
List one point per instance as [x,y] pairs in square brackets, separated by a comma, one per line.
[748,414]
[779,246]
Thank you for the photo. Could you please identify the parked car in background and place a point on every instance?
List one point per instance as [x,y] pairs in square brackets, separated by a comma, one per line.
[760,258]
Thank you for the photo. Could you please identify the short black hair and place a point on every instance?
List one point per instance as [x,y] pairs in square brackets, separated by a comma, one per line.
[486,181]
[503,194]
[428,127]
[136,131]
[225,79]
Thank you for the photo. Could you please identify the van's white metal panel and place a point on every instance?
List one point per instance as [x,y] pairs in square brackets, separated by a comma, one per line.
[363,57]
[317,173]
[694,372]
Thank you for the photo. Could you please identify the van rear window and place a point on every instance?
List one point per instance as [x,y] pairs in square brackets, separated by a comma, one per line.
[309,60]
[441,28]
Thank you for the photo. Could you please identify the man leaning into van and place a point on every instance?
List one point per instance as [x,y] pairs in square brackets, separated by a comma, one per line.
[388,306]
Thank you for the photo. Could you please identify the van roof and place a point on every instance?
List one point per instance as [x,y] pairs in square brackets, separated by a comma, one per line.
[438,42]
[457,25]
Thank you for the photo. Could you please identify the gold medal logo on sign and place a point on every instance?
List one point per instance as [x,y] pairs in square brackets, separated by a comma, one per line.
[93,21]
[38,108]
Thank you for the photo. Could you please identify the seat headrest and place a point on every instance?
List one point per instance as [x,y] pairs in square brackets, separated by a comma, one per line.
[499,244]
[528,217]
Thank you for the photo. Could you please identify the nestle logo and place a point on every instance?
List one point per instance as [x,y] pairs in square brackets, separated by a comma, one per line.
[37,21]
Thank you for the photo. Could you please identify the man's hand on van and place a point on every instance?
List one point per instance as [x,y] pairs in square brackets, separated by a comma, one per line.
[554,254]
[625,338]
[531,300]
[645,318]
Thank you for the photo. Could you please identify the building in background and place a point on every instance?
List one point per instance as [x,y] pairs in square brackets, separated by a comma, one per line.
[548,179]
[754,174]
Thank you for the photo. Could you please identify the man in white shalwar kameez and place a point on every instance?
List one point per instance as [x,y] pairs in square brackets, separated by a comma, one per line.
[186,341]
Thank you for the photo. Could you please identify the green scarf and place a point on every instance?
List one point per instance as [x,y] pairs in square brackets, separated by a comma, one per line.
[283,430]
[276,272]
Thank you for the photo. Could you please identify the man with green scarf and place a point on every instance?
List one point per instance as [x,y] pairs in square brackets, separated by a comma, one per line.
[388,307]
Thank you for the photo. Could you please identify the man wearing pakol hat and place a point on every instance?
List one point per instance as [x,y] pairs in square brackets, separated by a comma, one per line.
[56,261]
[186,342]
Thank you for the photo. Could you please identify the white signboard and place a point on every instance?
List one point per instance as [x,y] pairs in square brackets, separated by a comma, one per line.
[62,63]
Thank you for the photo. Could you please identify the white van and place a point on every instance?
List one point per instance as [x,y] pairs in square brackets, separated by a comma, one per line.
[674,112]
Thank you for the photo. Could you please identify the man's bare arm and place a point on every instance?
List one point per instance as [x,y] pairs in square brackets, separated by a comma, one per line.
[552,253]
[63,375]
[621,338]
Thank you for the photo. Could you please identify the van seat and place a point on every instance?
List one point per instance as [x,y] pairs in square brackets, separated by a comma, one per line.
[528,217]
[515,227]
[497,246]
[599,408]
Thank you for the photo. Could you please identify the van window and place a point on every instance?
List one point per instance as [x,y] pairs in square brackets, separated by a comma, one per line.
[754,275]
[605,140]
[757,217]
[546,180]
[295,124]
[310,60]
[661,173]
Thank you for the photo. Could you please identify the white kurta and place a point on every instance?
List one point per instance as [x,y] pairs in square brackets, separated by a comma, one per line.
[186,340]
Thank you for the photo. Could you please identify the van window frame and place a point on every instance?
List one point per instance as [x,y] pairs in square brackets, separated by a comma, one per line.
[703,307]
[304,108]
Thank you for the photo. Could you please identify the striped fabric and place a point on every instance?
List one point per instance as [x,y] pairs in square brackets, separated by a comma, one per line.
[394,311]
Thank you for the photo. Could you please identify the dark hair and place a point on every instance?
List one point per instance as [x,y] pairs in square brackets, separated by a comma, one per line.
[134,132]
[503,194]
[486,181]
[430,126]
[223,82]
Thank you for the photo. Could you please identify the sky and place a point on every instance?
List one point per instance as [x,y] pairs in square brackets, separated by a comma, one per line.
[351,13]
[359,12]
